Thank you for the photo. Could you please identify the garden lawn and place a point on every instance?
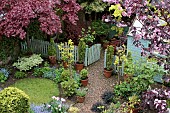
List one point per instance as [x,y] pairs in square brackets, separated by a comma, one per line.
[39,90]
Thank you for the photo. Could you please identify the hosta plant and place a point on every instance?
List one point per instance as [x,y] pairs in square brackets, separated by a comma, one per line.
[27,63]
[3,74]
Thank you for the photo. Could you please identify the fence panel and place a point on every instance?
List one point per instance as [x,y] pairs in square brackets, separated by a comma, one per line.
[41,47]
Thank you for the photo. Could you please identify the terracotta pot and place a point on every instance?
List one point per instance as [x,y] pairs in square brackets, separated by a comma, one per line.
[135,110]
[52,59]
[105,45]
[84,82]
[80,99]
[79,66]
[127,77]
[107,73]
[65,64]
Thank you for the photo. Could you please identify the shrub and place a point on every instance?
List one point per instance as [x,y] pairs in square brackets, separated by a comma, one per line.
[13,100]
[83,74]
[81,50]
[108,97]
[3,75]
[81,92]
[65,75]
[69,87]
[25,64]
[49,73]
[20,74]
[98,107]
[52,48]
[38,72]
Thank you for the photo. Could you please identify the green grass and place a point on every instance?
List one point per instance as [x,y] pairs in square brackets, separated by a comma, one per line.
[39,90]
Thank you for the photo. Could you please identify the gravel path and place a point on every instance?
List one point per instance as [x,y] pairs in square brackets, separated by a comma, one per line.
[98,84]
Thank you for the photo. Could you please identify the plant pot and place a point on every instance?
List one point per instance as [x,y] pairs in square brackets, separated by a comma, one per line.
[135,110]
[79,66]
[127,77]
[84,82]
[65,64]
[80,99]
[105,45]
[107,73]
[52,59]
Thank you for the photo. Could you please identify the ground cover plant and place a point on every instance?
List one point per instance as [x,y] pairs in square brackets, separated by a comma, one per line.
[39,90]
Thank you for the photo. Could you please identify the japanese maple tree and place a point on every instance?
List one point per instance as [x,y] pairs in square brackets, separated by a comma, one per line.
[16,15]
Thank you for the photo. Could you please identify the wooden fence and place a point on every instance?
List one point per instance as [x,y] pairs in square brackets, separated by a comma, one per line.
[41,47]
[121,71]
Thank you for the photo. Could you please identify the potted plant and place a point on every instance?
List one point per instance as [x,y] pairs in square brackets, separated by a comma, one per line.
[81,55]
[52,52]
[84,77]
[80,93]
[129,68]
[133,104]
[67,55]
[109,58]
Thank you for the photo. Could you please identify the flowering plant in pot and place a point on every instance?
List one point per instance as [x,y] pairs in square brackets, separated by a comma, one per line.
[81,55]
[109,58]
[84,77]
[52,52]
[80,93]
[67,55]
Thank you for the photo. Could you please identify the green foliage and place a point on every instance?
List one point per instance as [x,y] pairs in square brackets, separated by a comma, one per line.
[93,5]
[100,27]
[129,67]
[119,30]
[34,30]
[133,100]
[83,74]
[4,74]
[20,74]
[81,92]
[88,36]
[58,73]
[38,72]
[67,52]
[69,87]
[81,50]
[25,64]
[52,49]
[7,47]
[109,57]
[13,100]
[65,75]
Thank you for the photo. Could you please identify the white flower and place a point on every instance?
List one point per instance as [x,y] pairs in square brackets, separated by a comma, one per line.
[59,105]
[63,100]
[49,106]
[53,97]
[58,98]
